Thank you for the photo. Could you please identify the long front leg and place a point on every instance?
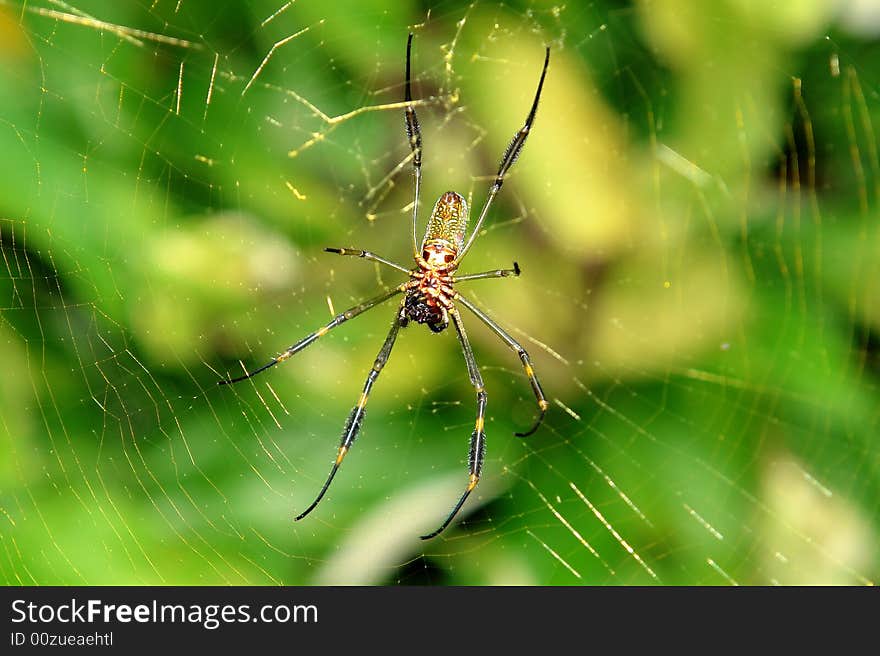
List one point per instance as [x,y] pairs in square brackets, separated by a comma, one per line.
[523,356]
[477,450]
[356,418]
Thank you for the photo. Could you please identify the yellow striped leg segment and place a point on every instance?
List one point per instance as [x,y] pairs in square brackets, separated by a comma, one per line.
[308,340]
[524,358]
[356,418]
[477,451]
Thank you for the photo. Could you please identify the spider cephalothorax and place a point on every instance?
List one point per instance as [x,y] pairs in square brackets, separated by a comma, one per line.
[430,297]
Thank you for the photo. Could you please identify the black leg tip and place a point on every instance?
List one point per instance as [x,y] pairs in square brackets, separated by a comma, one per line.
[232,381]
[534,428]
[516,269]
[309,509]
[333,250]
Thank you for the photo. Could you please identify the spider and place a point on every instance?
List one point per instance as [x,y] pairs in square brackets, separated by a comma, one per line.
[430,297]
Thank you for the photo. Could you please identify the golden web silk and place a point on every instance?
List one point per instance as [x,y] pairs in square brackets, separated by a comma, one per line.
[449,220]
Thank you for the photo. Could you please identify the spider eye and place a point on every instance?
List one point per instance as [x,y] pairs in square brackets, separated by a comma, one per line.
[425,254]
[448,258]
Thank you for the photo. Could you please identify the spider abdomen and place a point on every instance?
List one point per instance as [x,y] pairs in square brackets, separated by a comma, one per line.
[449,220]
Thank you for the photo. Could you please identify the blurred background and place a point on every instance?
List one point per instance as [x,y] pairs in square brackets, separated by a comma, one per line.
[695,215]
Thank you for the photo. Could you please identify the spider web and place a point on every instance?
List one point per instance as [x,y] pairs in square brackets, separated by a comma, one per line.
[694,214]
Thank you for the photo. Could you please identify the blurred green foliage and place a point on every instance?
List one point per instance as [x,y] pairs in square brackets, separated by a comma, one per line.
[695,214]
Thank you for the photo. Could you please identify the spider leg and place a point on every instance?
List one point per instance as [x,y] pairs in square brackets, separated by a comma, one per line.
[414,135]
[497,273]
[356,418]
[477,449]
[350,313]
[367,255]
[523,356]
[514,148]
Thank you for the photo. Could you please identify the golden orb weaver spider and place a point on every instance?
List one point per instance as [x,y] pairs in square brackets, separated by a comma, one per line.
[430,297]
